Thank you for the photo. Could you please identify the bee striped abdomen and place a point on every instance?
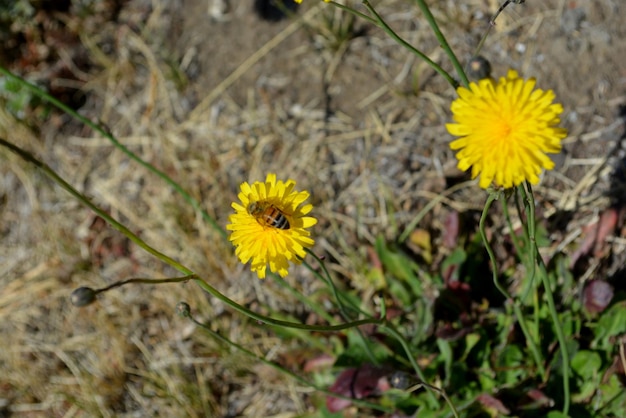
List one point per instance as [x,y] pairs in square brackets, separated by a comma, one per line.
[268,215]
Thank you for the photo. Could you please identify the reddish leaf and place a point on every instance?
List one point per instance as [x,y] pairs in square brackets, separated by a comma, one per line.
[590,232]
[448,273]
[493,404]
[319,362]
[451,230]
[597,296]
[606,226]
[538,399]
[374,258]
[595,235]
[357,383]
[452,332]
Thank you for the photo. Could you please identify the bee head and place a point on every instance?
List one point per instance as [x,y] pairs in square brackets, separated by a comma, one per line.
[254,208]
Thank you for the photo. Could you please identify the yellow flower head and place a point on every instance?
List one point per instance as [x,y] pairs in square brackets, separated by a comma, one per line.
[269,226]
[505,129]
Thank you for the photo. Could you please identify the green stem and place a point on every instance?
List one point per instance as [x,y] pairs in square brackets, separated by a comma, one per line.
[516,305]
[418,371]
[383,25]
[144,280]
[102,131]
[442,41]
[170,261]
[522,212]
[492,257]
[328,280]
[184,311]
[521,250]
[342,308]
[526,256]
[514,238]
[482,41]
[550,297]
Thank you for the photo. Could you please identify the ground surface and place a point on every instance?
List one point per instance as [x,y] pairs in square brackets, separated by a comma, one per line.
[216,98]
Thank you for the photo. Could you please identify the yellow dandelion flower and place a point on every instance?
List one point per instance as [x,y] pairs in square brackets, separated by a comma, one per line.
[269,225]
[505,129]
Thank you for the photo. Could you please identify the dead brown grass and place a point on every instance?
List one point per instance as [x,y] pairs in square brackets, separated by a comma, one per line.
[360,127]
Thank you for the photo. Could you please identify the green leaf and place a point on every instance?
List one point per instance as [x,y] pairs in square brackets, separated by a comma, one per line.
[398,265]
[355,355]
[325,413]
[587,364]
[446,352]
[542,236]
[510,361]
[586,391]
[471,340]
[612,398]
[456,258]
[611,323]
[556,414]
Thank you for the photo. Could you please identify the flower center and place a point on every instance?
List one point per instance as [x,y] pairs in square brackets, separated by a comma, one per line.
[502,129]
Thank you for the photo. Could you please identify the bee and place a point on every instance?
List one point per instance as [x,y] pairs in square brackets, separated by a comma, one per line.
[268,215]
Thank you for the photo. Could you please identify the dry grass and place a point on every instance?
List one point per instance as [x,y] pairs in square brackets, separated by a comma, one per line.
[349,125]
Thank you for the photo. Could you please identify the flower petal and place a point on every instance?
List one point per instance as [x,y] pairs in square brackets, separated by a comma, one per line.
[505,130]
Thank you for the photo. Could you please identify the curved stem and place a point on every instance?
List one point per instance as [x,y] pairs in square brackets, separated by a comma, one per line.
[342,309]
[516,306]
[326,278]
[418,371]
[193,202]
[514,238]
[481,226]
[144,280]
